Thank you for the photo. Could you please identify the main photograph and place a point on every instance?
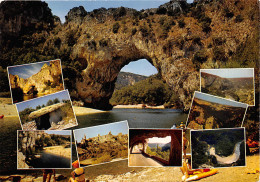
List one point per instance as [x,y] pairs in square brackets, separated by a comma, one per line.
[129,60]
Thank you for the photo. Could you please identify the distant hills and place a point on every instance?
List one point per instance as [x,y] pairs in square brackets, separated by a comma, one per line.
[237,89]
[127,79]
[164,146]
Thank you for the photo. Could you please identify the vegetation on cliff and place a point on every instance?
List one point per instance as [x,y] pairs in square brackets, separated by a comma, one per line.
[204,34]
[158,152]
[152,91]
[209,115]
[222,140]
[102,149]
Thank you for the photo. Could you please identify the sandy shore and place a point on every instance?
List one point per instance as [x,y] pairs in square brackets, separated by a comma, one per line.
[166,174]
[84,110]
[59,151]
[138,106]
[174,174]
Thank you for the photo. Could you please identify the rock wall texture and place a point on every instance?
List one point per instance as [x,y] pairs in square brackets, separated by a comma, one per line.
[177,39]
[47,80]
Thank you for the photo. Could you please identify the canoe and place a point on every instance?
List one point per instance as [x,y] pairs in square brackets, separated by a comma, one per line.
[201,175]
[2,116]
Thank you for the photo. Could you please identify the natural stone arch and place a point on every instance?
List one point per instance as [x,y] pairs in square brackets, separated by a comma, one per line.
[177,54]
[98,79]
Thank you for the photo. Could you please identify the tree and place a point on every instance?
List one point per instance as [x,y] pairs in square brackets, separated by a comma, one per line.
[49,103]
[56,100]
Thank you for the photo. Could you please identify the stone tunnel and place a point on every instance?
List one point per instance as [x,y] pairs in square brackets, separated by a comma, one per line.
[140,136]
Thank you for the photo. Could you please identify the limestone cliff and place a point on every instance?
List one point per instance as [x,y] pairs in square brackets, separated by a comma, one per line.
[47,80]
[96,45]
[93,150]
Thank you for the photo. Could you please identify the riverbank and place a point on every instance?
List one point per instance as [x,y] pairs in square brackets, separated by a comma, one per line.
[58,150]
[173,174]
[7,108]
[79,111]
[138,106]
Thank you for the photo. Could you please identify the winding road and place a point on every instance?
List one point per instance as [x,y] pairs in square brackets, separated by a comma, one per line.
[138,159]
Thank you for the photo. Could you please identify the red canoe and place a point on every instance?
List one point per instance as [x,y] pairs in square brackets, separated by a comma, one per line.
[2,116]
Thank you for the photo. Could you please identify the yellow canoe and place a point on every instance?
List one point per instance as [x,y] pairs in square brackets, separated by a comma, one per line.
[201,175]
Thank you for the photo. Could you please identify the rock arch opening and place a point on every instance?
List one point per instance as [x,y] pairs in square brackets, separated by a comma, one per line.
[139,140]
[140,84]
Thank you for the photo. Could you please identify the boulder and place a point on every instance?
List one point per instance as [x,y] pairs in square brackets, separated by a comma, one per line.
[45,110]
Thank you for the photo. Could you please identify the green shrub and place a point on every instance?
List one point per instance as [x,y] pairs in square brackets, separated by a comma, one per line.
[239,18]
[161,11]
[219,54]
[217,41]
[119,13]
[92,44]
[144,30]
[134,31]
[181,23]
[116,27]
[103,43]
[199,57]
[228,14]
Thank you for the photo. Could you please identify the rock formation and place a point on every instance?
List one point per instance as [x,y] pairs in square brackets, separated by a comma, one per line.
[96,45]
[16,18]
[210,115]
[47,80]
[112,146]
[237,89]
[26,141]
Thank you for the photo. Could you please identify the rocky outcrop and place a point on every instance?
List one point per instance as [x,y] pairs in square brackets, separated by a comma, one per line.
[76,14]
[207,35]
[26,141]
[237,89]
[93,149]
[210,115]
[126,79]
[45,110]
[174,5]
[47,80]
[23,17]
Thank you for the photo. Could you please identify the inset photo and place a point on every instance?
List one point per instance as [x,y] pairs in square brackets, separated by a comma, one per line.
[218,148]
[34,80]
[231,83]
[51,112]
[102,144]
[210,112]
[155,147]
[44,149]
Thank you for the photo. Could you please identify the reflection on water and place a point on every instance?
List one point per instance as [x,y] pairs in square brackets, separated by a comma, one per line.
[137,118]
[48,160]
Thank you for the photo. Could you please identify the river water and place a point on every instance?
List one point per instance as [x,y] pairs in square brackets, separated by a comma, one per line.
[137,118]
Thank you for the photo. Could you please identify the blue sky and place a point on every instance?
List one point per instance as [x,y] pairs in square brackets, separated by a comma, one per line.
[231,72]
[62,132]
[61,8]
[115,128]
[141,67]
[214,99]
[25,71]
[63,95]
